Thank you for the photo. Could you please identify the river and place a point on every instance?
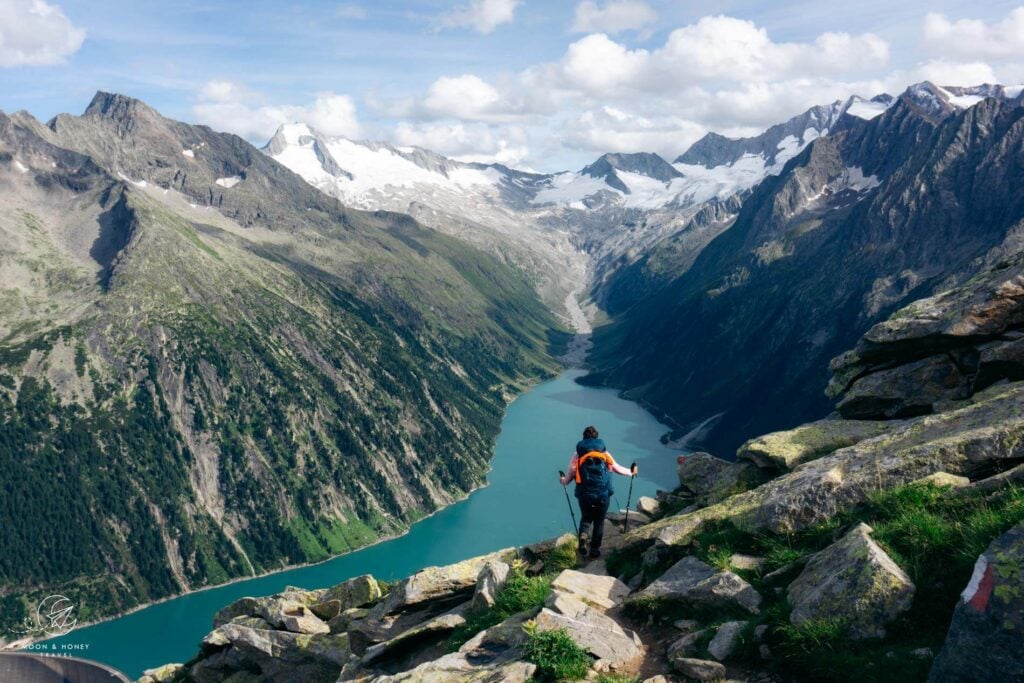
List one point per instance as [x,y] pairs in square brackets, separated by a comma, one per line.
[521,504]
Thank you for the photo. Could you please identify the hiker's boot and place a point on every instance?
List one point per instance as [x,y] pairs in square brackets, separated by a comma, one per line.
[594,553]
[581,544]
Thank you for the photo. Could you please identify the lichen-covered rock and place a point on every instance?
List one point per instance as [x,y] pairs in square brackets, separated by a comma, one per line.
[699,669]
[908,389]
[603,592]
[727,637]
[945,479]
[291,615]
[785,450]
[594,631]
[455,668]
[695,583]
[240,607]
[987,430]
[854,581]
[417,637]
[986,637]
[709,479]
[444,583]
[279,656]
[490,580]
[356,592]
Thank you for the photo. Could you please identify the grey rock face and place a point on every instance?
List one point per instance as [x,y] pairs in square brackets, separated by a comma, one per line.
[691,581]
[984,641]
[602,592]
[709,479]
[699,669]
[855,581]
[594,631]
[279,656]
[490,580]
[726,639]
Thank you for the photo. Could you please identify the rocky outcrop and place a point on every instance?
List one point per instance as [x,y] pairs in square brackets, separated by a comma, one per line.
[984,641]
[854,582]
[279,656]
[692,582]
[601,636]
[785,450]
[709,479]
[602,592]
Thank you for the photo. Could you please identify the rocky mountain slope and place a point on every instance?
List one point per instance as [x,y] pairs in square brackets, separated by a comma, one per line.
[209,369]
[877,549]
[734,338]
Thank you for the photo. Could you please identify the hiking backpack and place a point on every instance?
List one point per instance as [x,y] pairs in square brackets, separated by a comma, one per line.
[593,481]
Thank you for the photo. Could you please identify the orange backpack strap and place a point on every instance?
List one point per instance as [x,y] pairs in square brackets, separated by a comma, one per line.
[592,454]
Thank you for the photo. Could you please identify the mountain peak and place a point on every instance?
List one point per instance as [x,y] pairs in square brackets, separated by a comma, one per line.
[642,163]
[124,110]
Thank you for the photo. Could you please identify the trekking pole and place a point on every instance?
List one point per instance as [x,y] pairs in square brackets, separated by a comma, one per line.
[625,522]
[575,526]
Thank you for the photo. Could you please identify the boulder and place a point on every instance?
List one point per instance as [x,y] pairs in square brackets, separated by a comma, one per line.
[356,592]
[984,642]
[727,637]
[747,562]
[647,505]
[490,580]
[785,450]
[709,479]
[602,592]
[418,637]
[618,518]
[699,669]
[240,607]
[685,645]
[455,668]
[279,656]
[908,389]
[999,360]
[341,623]
[291,615]
[854,581]
[978,437]
[452,583]
[696,584]
[600,635]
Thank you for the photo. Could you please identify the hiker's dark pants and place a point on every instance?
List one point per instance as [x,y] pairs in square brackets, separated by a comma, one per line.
[592,514]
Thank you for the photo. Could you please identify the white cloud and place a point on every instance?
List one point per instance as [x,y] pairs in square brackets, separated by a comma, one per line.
[615,16]
[975,39]
[483,16]
[610,129]
[34,33]
[464,97]
[597,63]
[228,106]
[466,142]
[943,72]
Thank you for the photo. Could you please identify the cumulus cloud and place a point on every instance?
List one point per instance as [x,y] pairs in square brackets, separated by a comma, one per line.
[464,97]
[229,106]
[613,17]
[944,72]
[34,33]
[466,142]
[482,16]
[610,129]
[976,39]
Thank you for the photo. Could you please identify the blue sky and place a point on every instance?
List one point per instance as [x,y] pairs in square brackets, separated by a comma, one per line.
[538,83]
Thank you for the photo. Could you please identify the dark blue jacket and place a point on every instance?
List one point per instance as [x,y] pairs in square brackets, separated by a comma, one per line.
[587,445]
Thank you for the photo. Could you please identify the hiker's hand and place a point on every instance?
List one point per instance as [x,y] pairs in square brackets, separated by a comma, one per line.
[633,470]
[561,475]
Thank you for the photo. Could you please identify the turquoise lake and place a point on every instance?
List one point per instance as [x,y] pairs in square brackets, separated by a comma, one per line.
[522,503]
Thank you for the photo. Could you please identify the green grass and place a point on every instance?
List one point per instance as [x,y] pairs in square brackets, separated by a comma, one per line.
[519,594]
[562,557]
[617,678]
[556,654]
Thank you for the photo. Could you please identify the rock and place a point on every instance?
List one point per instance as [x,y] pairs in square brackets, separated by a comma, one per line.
[687,625]
[168,673]
[240,607]
[686,645]
[984,642]
[490,580]
[420,636]
[986,432]
[279,656]
[536,553]
[291,615]
[765,651]
[944,479]
[452,583]
[759,632]
[709,479]
[696,584]
[341,623]
[749,562]
[598,634]
[999,360]
[699,669]
[909,389]
[251,622]
[726,639]
[327,610]
[855,581]
[787,570]
[356,592]
[656,679]
[635,518]
[647,505]
[455,668]
[786,450]
[603,592]
[1014,475]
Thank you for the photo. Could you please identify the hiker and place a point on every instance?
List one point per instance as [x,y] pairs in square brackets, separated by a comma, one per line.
[591,467]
